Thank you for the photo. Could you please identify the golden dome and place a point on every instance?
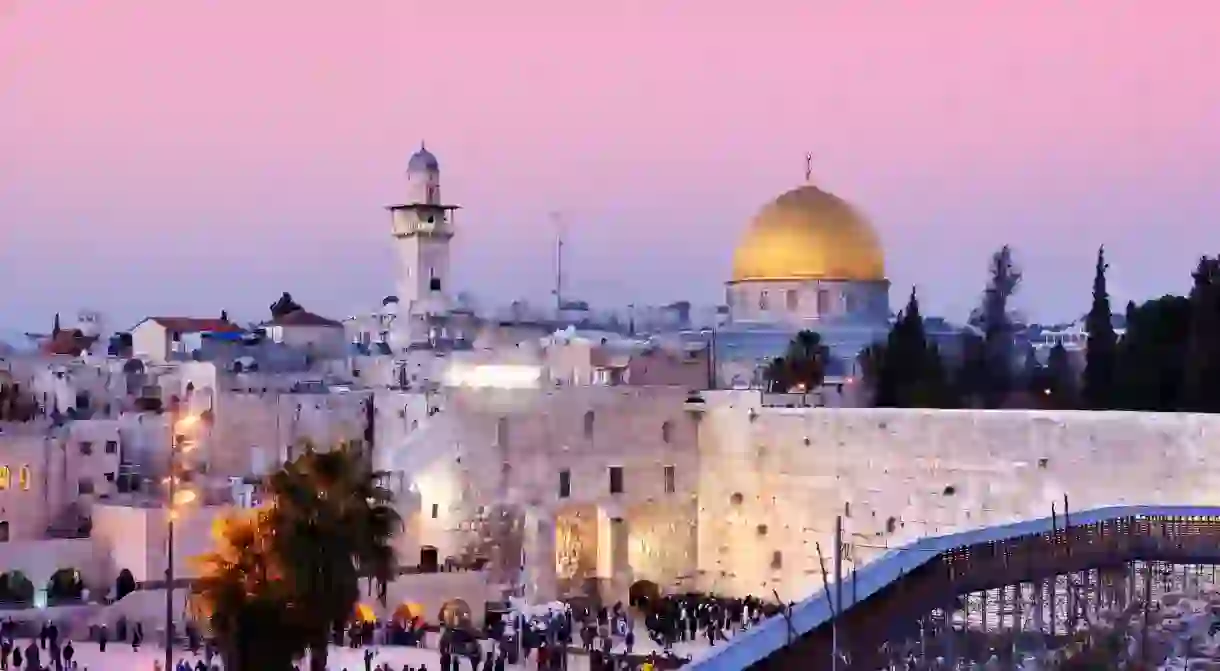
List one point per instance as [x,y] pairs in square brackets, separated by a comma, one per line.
[808,234]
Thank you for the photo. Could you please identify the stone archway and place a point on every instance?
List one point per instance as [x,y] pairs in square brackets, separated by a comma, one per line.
[455,613]
[644,592]
[16,588]
[124,584]
[407,612]
[364,613]
[65,586]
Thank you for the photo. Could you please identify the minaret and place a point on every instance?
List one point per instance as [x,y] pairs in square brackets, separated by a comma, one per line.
[422,229]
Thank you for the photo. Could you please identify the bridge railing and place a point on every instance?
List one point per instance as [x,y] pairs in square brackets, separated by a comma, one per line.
[756,644]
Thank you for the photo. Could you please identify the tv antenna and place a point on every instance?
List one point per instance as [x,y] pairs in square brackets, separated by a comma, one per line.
[557,222]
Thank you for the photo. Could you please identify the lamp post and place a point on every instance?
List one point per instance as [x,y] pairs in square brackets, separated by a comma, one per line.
[179,444]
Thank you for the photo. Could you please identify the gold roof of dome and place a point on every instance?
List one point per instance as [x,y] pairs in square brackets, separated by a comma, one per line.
[807,234]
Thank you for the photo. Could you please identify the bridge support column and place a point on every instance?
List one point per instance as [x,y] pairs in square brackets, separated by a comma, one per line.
[1003,603]
[1039,604]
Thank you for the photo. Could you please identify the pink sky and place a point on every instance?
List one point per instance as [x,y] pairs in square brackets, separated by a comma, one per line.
[187,156]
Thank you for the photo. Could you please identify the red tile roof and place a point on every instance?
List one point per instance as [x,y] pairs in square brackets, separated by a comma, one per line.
[195,325]
[68,342]
[304,318]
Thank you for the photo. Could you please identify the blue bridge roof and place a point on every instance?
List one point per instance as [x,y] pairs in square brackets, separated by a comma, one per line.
[760,642]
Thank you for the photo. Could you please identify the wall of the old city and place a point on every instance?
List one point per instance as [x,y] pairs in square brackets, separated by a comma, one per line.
[773,480]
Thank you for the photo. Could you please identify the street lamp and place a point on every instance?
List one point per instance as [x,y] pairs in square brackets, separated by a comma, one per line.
[180,444]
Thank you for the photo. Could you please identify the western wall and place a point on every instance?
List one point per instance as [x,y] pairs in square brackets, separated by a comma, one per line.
[772,480]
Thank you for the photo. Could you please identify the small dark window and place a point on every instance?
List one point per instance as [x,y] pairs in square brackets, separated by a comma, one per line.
[1043,462]
[736,499]
[502,432]
[112,446]
[671,478]
[589,420]
[434,284]
[86,448]
[616,479]
[891,525]
[667,431]
[565,483]
[847,509]
[110,476]
[436,510]
[761,530]
[85,486]
[950,490]
[3,532]
[777,560]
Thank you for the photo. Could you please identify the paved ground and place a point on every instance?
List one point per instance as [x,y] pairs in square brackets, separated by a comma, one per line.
[120,657]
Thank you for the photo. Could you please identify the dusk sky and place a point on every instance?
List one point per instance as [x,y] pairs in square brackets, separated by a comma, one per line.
[179,157]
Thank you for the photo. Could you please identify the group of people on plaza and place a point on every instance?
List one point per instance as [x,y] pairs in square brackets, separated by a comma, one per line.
[689,617]
[540,638]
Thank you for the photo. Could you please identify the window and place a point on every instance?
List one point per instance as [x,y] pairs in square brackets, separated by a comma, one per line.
[671,477]
[667,431]
[86,448]
[823,302]
[85,486]
[763,303]
[3,532]
[792,300]
[565,483]
[110,476]
[112,446]
[4,477]
[589,418]
[616,479]
[24,478]
[436,510]
[434,284]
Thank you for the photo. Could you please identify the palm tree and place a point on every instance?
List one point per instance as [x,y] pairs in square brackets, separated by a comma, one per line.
[802,365]
[243,600]
[331,525]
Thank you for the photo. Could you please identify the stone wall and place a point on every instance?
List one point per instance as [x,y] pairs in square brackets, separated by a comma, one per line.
[773,480]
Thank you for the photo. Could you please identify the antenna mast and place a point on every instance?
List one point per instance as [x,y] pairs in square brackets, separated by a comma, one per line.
[557,221]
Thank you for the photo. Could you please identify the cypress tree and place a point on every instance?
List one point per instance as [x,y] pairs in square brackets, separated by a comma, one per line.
[1101,355]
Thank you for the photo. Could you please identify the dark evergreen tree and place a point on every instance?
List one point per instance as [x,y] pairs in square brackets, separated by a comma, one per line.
[1202,383]
[1102,348]
[1152,356]
[909,370]
[993,317]
[1061,378]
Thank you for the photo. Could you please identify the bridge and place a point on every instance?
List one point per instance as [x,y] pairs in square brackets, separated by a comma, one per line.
[1079,563]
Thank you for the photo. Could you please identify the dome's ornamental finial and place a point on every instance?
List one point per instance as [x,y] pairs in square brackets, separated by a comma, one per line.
[808,167]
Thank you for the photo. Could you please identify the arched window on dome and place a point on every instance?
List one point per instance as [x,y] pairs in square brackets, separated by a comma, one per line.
[763,303]
[823,302]
[793,301]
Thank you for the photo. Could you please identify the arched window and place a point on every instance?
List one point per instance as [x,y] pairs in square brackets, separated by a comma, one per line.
[589,417]
[5,477]
[667,431]
[24,478]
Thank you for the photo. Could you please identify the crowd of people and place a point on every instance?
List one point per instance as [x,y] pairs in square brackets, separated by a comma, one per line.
[539,637]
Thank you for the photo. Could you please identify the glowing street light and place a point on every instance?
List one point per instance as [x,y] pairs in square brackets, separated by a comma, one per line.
[180,443]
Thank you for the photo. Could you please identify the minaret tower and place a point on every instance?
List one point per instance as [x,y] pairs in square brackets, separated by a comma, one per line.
[422,229]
